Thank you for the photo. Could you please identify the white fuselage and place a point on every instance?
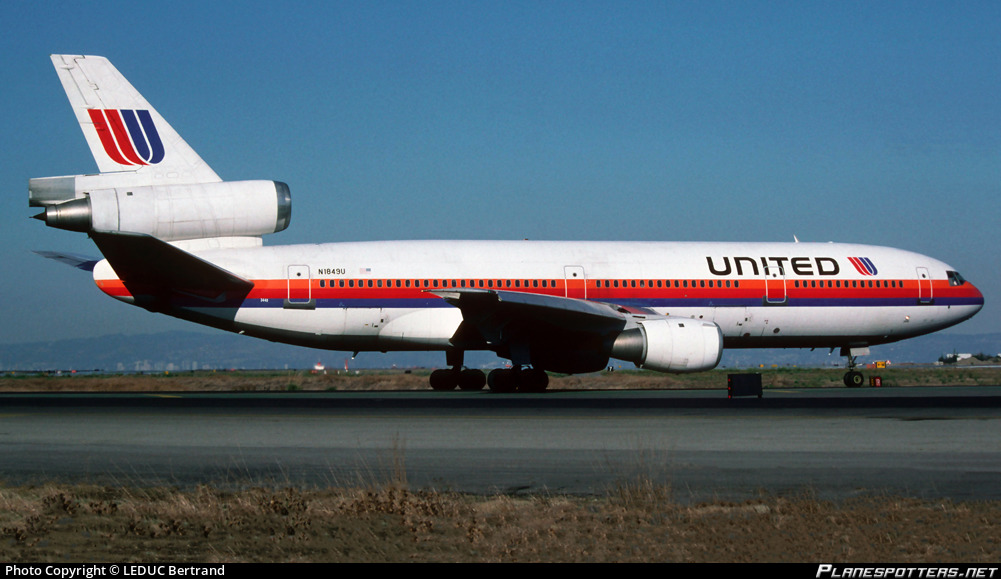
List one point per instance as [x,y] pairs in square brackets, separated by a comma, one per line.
[378,295]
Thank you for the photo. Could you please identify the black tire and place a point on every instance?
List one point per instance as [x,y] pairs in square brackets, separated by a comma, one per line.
[854,379]
[502,381]
[471,380]
[533,380]
[444,380]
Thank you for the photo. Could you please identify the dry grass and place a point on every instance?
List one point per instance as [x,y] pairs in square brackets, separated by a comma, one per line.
[279,381]
[636,521]
[391,523]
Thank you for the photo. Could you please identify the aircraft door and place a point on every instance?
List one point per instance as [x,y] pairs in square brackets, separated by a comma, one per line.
[576,283]
[924,286]
[298,287]
[775,285]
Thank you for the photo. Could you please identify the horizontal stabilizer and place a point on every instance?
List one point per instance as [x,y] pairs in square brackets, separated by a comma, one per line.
[78,261]
[151,267]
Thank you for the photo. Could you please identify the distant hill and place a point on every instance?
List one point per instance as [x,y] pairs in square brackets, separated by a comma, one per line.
[176,351]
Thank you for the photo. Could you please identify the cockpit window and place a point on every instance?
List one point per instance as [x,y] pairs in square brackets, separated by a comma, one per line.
[955,278]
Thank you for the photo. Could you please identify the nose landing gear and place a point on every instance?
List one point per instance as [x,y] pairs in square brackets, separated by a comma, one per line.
[854,378]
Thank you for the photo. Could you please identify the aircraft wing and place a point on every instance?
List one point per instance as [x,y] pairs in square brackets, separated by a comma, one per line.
[542,330]
[151,267]
[566,313]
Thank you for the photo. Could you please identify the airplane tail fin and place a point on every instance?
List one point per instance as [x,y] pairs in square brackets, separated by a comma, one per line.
[150,182]
[124,132]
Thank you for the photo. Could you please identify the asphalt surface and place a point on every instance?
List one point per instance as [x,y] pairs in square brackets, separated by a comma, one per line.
[831,443]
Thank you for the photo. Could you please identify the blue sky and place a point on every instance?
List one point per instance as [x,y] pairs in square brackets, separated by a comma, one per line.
[870,122]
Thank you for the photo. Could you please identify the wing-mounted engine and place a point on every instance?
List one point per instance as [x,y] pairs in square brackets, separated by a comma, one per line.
[169,212]
[671,344]
[573,336]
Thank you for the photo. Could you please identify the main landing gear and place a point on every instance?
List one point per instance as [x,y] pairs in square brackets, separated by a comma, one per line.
[854,378]
[517,379]
[465,379]
[505,380]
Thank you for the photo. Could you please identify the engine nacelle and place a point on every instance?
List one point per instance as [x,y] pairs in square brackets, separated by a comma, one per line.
[176,212]
[671,344]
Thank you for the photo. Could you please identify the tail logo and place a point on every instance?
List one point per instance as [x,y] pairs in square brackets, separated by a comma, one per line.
[863,265]
[129,137]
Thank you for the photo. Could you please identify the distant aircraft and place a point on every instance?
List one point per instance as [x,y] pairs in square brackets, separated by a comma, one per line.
[180,241]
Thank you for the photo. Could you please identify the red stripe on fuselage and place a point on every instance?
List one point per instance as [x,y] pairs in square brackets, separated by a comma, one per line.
[748,289]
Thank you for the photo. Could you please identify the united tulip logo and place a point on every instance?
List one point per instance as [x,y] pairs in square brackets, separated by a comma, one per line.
[129,137]
[863,265]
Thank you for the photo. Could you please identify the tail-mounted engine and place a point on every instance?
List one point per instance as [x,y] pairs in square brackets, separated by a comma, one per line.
[169,213]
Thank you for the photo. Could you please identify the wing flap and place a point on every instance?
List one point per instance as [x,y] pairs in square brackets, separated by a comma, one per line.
[565,313]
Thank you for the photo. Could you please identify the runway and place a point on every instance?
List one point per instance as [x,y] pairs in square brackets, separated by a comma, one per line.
[832,443]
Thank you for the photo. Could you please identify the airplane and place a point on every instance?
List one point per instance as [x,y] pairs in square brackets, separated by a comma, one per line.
[180,241]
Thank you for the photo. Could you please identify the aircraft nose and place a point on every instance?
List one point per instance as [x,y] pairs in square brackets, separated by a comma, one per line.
[973,300]
[978,297]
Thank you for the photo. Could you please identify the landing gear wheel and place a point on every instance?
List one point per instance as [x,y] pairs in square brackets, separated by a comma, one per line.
[472,380]
[444,380]
[533,380]
[502,381]
[854,379]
